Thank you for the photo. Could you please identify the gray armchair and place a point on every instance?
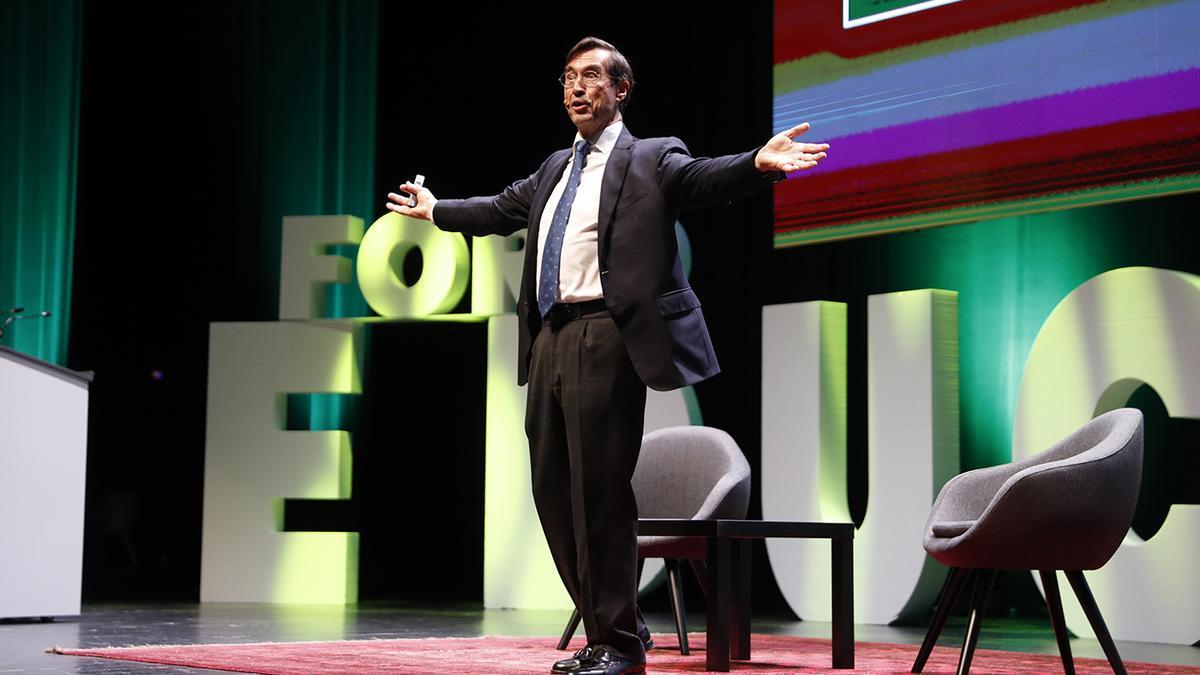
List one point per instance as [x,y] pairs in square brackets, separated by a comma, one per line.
[1067,508]
[684,472]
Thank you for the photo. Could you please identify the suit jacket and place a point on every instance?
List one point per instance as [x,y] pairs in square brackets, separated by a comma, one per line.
[646,182]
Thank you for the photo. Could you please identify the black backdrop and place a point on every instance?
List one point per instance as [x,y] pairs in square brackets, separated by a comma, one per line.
[167,241]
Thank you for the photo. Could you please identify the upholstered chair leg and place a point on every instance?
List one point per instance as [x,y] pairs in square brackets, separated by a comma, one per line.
[1088,603]
[983,591]
[950,591]
[569,632]
[1054,606]
[675,587]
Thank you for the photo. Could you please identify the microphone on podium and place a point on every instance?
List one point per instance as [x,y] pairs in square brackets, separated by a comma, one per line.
[14,314]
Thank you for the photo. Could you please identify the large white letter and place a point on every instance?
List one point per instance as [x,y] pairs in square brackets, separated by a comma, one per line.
[912,439]
[305,268]
[804,442]
[517,569]
[496,266]
[1112,333]
[912,381]
[251,464]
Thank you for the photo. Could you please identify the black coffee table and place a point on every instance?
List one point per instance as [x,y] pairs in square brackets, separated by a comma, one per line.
[729,579]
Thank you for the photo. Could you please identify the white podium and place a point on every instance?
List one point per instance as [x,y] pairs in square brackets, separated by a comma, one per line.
[43,458]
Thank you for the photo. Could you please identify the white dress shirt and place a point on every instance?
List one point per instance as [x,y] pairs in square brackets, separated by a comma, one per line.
[578,266]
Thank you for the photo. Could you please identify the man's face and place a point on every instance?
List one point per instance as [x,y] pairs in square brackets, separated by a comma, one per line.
[591,108]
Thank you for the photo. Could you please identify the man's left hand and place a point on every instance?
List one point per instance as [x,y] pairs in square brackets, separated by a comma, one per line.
[782,153]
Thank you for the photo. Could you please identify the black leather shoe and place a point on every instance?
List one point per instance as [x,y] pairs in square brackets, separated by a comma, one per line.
[572,664]
[647,641]
[603,663]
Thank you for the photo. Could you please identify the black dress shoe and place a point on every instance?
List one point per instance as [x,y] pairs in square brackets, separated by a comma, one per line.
[603,663]
[647,641]
[572,664]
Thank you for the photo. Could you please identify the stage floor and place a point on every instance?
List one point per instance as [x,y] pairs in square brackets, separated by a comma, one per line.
[23,645]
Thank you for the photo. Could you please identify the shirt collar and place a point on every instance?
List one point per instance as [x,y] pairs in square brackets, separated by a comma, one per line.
[607,139]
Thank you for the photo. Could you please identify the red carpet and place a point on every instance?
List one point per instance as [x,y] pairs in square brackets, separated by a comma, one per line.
[503,655]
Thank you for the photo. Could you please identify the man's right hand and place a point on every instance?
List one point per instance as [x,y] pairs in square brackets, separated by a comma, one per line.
[425,200]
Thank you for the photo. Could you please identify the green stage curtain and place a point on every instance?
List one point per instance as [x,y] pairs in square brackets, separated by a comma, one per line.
[318,133]
[39,115]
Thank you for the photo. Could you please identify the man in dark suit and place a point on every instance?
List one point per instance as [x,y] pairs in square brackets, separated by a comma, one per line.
[604,311]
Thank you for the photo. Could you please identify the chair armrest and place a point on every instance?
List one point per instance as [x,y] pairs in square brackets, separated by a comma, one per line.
[952,528]
[967,495]
[729,498]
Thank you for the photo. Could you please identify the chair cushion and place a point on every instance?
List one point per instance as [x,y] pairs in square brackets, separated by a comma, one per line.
[951,528]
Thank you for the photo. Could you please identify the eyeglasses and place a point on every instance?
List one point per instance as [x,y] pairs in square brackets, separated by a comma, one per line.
[590,79]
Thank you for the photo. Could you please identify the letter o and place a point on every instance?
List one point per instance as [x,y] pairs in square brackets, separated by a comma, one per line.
[443,278]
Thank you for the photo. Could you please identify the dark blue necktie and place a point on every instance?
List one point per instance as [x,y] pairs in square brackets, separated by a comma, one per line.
[548,288]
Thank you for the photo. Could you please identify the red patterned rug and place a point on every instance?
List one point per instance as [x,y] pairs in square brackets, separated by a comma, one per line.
[520,655]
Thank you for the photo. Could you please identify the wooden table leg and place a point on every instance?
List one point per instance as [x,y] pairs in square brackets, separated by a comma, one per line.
[843,602]
[740,600]
[717,648]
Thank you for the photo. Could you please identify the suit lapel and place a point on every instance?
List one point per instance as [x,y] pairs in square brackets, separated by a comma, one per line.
[546,185]
[610,190]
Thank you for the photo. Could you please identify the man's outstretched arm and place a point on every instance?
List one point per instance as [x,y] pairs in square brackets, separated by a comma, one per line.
[502,214]
[784,153]
[700,181]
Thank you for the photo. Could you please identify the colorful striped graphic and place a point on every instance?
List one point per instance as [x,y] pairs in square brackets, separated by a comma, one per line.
[1024,108]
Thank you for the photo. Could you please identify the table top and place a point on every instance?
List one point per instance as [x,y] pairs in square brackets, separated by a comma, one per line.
[743,529]
[30,361]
